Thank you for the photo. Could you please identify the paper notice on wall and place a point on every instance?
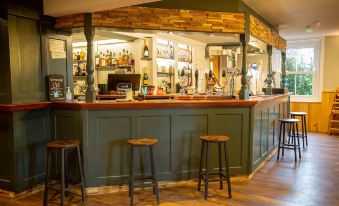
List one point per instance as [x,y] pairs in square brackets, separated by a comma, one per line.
[57,48]
[58,55]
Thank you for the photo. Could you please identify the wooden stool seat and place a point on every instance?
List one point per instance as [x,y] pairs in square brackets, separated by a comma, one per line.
[215,138]
[63,144]
[303,134]
[298,113]
[142,141]
[146,143]
[206,141]
[292,124]
[289,120]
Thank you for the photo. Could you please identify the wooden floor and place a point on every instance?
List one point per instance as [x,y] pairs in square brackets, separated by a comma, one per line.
[312,181]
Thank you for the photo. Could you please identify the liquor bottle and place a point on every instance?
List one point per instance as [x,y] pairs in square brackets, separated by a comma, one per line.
[107,58]
[74,56]
[97,60]
[82,54]
[132,59]
[145,78]
[146,51]
[114,60]
[127,60]
[120,60]
[110,59]
[103,60]
[78,56]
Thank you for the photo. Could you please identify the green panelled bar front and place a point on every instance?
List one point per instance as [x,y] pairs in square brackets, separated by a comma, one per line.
[253,132]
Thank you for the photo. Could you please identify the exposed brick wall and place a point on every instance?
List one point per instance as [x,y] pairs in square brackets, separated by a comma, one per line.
[161,19]
[176,20]
[261,31]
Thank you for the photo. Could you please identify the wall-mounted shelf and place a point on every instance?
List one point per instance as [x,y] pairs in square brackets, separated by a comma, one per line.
[165,73]
[79,61]
[76,76]
[113,67]
[146,58]
[190,62]
[165,58]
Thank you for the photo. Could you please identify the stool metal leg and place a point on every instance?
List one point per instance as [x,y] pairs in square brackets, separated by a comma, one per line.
[47,176]
[132,176]
[220,167]
[279,140]
[154,175]
[298,140]
[302,131]
[82,186]
[295,142]
[305,129]
[283,149]
[62,176]
[228,179]
[201,161]
[66,174]
[206,176]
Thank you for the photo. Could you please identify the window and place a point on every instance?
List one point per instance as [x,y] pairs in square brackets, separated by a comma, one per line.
[304,70]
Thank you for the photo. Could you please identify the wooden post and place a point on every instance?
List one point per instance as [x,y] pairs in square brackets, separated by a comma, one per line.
[89,34]
[244,93]
[269,73]
[283,70]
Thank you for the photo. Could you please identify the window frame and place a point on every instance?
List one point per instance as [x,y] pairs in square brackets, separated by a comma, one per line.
[317,74]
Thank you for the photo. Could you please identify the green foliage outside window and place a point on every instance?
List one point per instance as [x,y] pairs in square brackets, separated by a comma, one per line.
[299,68]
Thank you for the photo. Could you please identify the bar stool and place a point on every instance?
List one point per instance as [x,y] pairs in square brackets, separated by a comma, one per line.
[143,142]
[303,134]
[293,124]
[63,146]
[220,140]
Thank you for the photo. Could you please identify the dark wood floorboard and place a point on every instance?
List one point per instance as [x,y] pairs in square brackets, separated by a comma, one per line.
[314,181]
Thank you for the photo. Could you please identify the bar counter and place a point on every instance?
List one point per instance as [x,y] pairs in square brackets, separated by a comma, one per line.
[104,126]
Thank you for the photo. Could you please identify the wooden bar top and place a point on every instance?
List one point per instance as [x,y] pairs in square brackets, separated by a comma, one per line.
[160,103]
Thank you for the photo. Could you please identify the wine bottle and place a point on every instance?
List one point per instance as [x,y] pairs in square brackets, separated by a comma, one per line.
[145,78]
[146,51]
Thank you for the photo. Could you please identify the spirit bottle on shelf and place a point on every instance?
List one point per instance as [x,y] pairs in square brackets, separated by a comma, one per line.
[107,58]
[146,50]
[132,59]
[120,60]
[82,55]
[145,78]
[97,60]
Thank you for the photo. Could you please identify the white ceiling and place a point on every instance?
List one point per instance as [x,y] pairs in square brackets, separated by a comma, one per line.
[298,14]
[58,8]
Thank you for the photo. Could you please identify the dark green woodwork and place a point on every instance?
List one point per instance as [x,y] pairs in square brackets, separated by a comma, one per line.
[56,66]
[22,148]
[25,59]
[266,129]
[103,133]
[269,78]
[89,34]
[5,78]
[244,92]
[283,70]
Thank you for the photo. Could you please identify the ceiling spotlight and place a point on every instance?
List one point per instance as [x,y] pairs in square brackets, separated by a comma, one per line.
[316,24]
[309,29]
[282,26]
